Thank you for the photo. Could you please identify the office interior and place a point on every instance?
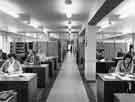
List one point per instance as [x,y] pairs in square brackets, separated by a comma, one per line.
[67,50]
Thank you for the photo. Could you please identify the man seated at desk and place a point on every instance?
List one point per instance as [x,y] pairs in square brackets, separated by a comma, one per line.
[42,56]
[32,58]
[126,65]
[120,53]
[99,55]
[11,65]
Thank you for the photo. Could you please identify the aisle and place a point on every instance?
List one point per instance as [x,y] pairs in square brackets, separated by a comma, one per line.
[68,86]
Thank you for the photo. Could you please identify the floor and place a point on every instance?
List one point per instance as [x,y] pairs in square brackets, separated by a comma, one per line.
[68,86]
[90,86]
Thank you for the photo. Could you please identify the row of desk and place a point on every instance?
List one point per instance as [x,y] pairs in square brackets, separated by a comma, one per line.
[34,77]
[106,65]
[112,87]
[108,85]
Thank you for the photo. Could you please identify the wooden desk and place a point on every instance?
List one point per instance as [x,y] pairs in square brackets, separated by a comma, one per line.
[104,67]
[50,62]
[107,87]
[123,97]
[55,59]
[26,86]
[42,73]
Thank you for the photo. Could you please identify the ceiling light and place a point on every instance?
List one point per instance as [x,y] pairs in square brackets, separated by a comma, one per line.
[68,2]
[69,14]
[68,11]
[34,23]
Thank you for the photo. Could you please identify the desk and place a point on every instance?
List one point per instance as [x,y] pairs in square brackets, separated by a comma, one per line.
[50,62]
[104,67]
[26,86]
[42,73]
[55,58]
[123,97]
[107,87]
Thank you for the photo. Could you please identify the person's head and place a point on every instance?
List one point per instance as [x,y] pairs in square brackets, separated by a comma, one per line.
[131,48]
[120,50]
[127,58]
[11,57]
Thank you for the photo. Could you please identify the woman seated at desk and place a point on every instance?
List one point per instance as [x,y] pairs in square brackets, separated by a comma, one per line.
[11,65]
[126,65]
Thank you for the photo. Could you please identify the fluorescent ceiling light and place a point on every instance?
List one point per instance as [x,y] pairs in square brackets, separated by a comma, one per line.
[34,23]
[69,26]
[69,14]
[9,8]
[68,11]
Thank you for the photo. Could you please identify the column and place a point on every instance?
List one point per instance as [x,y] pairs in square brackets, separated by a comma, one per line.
[90,53]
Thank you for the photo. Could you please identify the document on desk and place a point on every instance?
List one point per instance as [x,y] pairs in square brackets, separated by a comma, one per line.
[14,75]
[126,77]
[109,77]
[11,75]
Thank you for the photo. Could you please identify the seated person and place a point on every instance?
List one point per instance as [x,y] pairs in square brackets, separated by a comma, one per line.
[126,65]
[36,58]
[99,55]
[11,65]
[131,50]
[2,55]
[42,56]
[120,53]
[30,57]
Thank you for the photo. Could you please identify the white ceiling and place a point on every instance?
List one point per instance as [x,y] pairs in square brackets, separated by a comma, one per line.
[122,19]
[51,13]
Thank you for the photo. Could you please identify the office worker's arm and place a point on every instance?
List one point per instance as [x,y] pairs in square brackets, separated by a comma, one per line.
[4,67]
[118,66]
[132,67]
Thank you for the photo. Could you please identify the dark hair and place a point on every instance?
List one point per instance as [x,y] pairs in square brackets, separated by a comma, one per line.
[131,46]
[127,56]
[11,55]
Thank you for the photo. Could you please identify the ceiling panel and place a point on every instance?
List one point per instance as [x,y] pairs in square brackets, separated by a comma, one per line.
[51,13]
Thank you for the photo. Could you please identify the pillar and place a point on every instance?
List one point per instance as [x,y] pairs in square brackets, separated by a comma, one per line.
[90,53]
